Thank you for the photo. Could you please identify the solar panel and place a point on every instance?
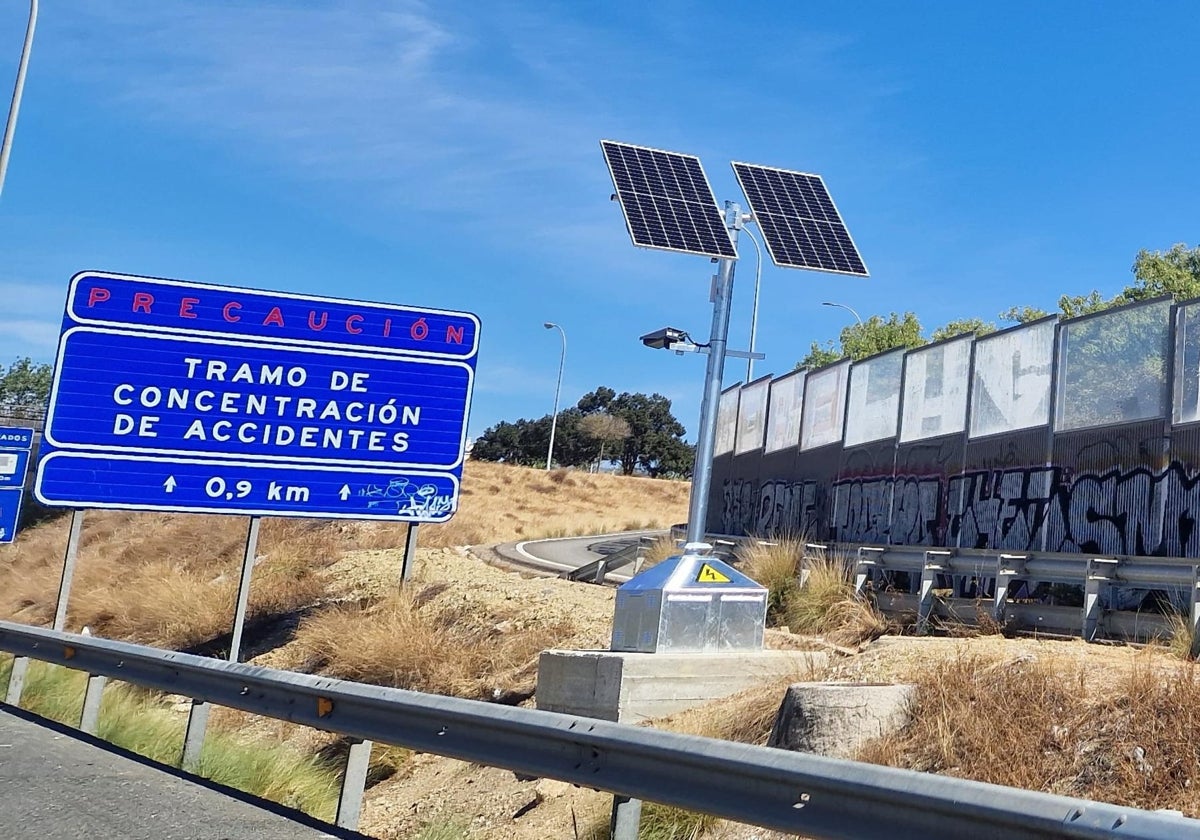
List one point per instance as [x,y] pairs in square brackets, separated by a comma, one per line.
[798,220]
[667,201]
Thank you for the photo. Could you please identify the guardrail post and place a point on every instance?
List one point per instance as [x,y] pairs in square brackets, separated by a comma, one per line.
[354,782]
[626,818]
[1009,567]
[1100,573]
[193,736]
[1194,617]
[16,680]
[932,567]
[89,719]
[864,569]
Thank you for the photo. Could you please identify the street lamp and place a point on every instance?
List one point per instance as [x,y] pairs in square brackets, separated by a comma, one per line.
[843,306]
[11,125]
[754,313]
[557,389]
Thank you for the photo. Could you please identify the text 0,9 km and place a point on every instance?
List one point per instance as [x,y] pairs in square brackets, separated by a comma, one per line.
[218,488]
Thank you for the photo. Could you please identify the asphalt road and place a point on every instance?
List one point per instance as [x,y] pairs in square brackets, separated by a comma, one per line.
[59,786]
[560,555]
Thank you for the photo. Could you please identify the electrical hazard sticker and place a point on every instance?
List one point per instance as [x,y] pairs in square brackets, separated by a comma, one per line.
[710,575]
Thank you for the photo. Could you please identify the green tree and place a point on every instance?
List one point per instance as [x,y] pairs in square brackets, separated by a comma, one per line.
[1073,306]
[1023,314]
[25,388]
[819,356]
[1175,272]
[673,458]
[961,327]
[874,335]
[653,431]
[651,437]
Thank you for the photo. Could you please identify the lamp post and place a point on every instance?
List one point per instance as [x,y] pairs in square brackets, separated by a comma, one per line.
[11,125]
[754,312]
[843,306]
[557,390]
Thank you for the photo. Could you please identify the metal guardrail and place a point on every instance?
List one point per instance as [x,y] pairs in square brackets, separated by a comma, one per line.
[793,792]
[1099,577]
[596,570]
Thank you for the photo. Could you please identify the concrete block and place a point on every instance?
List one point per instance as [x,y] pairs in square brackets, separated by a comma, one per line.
[835,719]
[630,687]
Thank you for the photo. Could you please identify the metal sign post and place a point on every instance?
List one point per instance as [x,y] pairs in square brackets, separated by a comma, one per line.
[410,553]
[714,371]
[243,593]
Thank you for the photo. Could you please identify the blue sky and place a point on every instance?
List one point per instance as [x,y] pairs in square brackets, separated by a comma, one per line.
[446,155]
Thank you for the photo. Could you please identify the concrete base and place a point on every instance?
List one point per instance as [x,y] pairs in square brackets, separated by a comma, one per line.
[836,719]
[629,687]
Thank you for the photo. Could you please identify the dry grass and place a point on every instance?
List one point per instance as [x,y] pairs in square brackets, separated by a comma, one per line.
[824,605]
[419,643]
[1044,726]
[163,580]
[502,503]
[171,580]
[659,550]
[1179,642]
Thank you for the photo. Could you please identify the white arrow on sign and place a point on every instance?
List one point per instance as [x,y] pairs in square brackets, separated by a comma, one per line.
[170,483]
[344,492]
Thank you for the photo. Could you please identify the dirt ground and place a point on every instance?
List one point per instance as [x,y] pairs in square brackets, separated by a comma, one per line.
[484,803]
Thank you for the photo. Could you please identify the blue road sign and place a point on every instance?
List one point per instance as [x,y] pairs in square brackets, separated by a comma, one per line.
[15,445]
[10,513]
[161,382]
[16,437]
[13,465]
[204,486]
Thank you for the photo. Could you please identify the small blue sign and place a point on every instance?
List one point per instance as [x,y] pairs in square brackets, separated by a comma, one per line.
[13,466]
[10,513]
[16,437]
[164,390]
[201,486]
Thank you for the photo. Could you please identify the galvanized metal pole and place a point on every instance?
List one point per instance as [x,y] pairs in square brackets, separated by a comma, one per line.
[562,358]
[243,595]
[410,553]
[754,310]
[15,107]
[68,572]
[706,438]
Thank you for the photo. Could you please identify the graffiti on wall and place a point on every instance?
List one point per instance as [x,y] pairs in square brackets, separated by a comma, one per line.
[770,508]
[1137,512]
[905,511]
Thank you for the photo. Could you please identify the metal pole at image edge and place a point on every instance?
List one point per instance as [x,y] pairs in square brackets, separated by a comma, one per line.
[15,107]
[707,436]
[562,358]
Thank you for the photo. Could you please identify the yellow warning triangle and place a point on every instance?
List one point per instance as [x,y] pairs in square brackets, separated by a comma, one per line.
[710,575]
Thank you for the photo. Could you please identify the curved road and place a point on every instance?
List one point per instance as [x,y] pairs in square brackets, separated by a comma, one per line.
[556,556]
